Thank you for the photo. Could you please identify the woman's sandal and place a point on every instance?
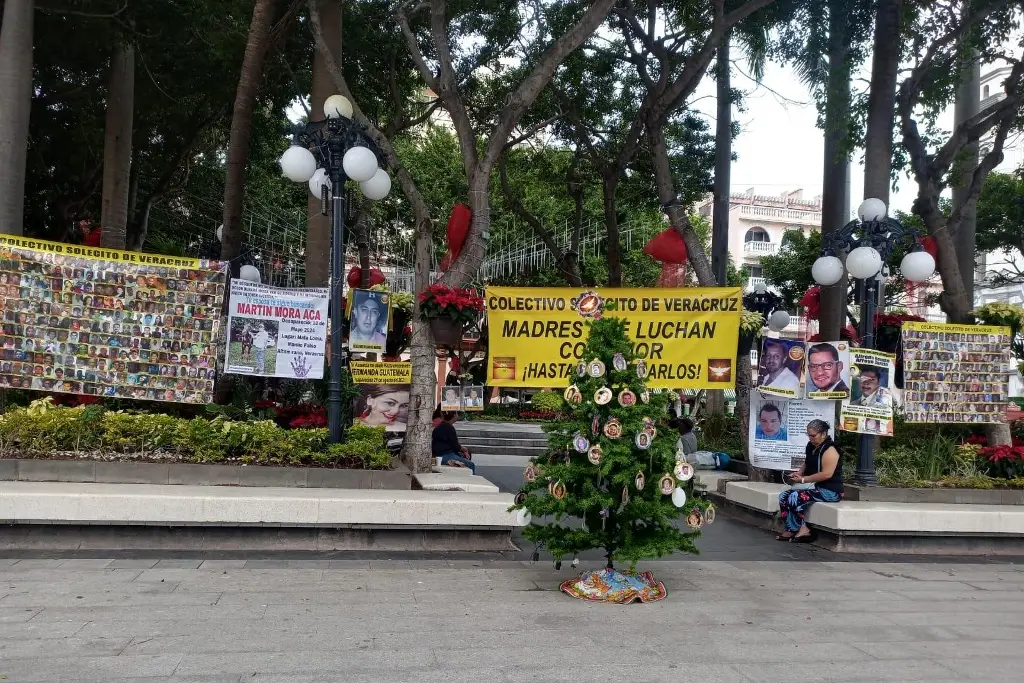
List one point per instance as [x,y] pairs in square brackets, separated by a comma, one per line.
[806,538]
[780,537]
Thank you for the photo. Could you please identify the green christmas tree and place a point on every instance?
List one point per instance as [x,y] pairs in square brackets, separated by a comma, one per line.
[614,480]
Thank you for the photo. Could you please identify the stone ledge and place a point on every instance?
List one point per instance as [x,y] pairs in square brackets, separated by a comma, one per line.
[193,474]
[445,481]
[716,480]
[177,505]
[884,494]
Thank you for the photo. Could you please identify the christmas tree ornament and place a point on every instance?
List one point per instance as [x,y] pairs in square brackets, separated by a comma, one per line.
[551,487]
[695,519]
[625,495]
[613,428]
[640,481]
[710,514]
[627,398]
[641,370]
[648,423]
[619,362]
[683,471]
[596,368]
[575,560]
[643,441]
[667,484]
[572,394]
[580,443]
[558,491]
[595,425]
[679,496]
[603,396]
[523,517]
[581,369]
[604,517]
[520,498]
[594,455]
[645,397]
[530,474]
[651,432]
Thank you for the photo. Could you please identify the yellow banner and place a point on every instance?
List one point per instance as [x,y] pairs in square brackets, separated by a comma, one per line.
[373,372]
[80,251]
[687,336]
[951,328]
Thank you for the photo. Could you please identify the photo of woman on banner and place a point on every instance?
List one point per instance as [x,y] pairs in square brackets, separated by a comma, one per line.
[781,368]
[383,404]
[828,370]
[368,321]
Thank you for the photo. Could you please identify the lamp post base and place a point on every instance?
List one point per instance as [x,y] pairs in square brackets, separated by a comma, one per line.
[861,478]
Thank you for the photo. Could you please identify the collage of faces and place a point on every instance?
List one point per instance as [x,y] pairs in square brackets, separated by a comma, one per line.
[955,377]
[103,328]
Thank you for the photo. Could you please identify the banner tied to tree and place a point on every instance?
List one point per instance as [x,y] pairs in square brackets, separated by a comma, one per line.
[102,322]
[686,337]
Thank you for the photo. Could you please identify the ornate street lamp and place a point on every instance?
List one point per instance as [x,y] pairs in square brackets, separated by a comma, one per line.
[326,154]
[869,242]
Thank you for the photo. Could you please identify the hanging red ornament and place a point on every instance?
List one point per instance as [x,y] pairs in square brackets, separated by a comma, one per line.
[459,222]
[811,300]
[931,246]
[669,248]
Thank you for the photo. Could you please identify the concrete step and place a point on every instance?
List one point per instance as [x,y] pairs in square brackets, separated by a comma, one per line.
[505,450]
[502,443]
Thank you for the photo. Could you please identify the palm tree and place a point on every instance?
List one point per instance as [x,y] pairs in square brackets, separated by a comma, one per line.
[15,108]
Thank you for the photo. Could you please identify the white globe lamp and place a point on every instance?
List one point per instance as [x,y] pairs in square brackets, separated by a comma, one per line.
[337,106]
[378,186]
[778,321]
[918,266]
[360,164]
[317,182]
[827,270]
[298,164]
[864,262]
[220,233]
[872,210]
[250,273]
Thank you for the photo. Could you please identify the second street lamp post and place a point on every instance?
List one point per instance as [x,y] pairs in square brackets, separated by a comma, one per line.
[870,241]
[326,154]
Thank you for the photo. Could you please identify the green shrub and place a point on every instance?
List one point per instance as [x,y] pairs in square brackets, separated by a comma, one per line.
[548,400]
[137,432]
[200,440]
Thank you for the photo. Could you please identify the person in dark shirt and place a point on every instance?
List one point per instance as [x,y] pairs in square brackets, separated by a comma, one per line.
[823,471]
[444,443]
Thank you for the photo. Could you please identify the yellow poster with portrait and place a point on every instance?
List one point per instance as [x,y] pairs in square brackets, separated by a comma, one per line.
[686,337]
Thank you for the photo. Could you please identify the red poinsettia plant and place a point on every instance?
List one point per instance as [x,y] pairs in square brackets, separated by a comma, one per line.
[1004,461]
[462,306]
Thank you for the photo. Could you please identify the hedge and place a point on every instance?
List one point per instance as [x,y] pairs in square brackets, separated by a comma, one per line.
[43,430]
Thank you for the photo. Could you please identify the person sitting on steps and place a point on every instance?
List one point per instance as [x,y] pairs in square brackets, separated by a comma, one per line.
[444,444]
[823,470]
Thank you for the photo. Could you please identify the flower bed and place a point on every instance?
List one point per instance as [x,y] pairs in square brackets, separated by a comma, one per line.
[44,430]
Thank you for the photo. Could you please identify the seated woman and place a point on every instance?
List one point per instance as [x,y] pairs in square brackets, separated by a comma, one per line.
[687,441]
[823,469]
[444,444]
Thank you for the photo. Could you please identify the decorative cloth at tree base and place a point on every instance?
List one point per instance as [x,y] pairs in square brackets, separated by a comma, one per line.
[612,585]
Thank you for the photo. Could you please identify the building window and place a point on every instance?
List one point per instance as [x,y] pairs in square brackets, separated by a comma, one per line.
[756,235]
[984,92]
[755,271]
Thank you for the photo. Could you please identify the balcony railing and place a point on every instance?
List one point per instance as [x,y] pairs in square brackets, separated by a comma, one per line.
[755,281]
[787,215]
[760,248]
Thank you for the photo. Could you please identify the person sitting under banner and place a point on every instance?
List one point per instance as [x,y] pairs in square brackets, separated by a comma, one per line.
[444,444]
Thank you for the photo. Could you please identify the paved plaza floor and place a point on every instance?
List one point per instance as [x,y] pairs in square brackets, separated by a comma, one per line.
[347,618]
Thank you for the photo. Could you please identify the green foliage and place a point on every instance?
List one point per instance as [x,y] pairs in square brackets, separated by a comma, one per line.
[635,524]
[548,400]
[1001,213]
[43,430]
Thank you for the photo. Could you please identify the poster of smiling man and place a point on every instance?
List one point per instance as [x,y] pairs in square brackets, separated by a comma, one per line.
[781,370]
[368,322]
[828,371]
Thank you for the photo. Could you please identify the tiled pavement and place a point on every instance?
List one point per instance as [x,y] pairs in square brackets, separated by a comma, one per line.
[304,619]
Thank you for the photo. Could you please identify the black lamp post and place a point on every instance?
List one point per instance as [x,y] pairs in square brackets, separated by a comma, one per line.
[327,154]
[869,242]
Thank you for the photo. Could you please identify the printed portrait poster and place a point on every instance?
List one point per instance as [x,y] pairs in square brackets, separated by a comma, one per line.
[955,373]
[828,371]
[276,332]
[103,322]
[383,405]
[451,398]
[369,317]
[778,429]
[869,410]
[380,372]
[473,398]
[781,370]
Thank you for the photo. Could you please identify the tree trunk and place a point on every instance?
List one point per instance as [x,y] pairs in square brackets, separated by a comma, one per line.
[249,78]
[117,147]
[15,110]
[885,64]
[967,105]
[836,167]
[318,226]
[613,247]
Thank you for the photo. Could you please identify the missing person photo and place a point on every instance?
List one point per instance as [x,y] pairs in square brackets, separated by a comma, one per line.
[781,369]
[368,320]
[770,417]
[828,370]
